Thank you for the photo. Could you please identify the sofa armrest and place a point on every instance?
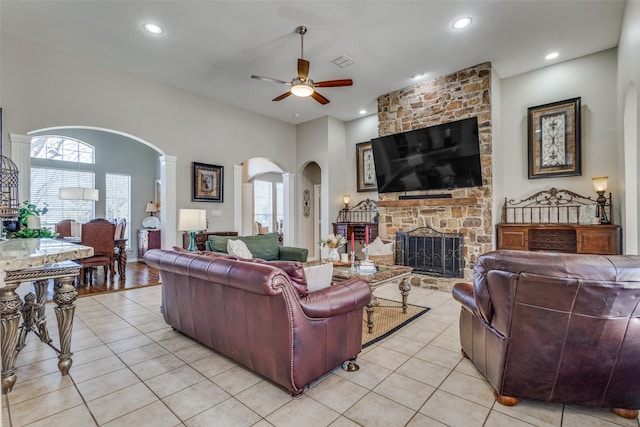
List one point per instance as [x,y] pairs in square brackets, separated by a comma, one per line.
[343,297]
[289,253]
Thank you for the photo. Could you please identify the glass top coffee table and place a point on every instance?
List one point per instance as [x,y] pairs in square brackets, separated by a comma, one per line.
[383,275]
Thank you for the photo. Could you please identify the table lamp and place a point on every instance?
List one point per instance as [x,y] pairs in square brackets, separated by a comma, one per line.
[151,208]
[600,186]
[192,220]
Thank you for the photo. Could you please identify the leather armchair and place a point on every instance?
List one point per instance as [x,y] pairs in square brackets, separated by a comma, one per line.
[555,327]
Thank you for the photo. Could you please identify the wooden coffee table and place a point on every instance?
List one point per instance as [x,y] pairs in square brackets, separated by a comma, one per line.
[385,274]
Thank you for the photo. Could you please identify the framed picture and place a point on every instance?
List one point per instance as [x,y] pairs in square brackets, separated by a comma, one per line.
[366,174]
[207,182]
[158,200]
[554,139]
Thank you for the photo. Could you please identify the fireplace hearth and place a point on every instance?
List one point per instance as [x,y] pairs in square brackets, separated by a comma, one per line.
[429,251]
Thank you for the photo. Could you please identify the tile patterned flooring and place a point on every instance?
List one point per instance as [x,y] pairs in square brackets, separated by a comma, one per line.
[130,368]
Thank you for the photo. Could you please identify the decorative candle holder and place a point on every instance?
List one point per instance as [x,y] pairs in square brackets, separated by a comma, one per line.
[352,269]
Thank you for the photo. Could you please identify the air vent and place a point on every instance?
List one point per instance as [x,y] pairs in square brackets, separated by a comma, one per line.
[343,61]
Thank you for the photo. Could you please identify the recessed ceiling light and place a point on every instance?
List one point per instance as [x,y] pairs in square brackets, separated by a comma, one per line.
[462,23]
[152,28]
[552,55]
[363,111]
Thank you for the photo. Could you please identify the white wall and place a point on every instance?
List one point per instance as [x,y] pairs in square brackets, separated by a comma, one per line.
[359,130]
[593,78]
[44,88]
[628,78]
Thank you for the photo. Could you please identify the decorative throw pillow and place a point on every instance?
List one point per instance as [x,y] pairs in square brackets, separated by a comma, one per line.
[378,247]
[238,248]
[318,276]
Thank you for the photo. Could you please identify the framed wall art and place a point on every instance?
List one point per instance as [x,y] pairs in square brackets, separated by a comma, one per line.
[208,182]
[554,139]
[366,170]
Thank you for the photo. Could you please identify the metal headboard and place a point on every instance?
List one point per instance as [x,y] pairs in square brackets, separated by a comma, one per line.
[552,206]
[365,211]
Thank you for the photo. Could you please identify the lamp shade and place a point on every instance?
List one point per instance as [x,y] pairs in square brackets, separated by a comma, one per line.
[151,207]
[346,198]
[78,193]
[600,184]
[192,219]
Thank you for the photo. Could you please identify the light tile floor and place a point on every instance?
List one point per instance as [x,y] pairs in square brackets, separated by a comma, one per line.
[131,369]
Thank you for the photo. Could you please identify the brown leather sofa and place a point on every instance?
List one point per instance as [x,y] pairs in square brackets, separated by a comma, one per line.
[260,314]
[555,327]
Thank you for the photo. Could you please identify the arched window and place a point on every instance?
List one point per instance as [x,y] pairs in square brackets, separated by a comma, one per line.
[62,148]
[57,161]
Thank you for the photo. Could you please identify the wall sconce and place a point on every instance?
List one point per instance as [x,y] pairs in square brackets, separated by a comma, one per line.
[192,220]
[600,187]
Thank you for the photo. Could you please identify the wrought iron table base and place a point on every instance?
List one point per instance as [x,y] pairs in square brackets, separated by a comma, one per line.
[13,335]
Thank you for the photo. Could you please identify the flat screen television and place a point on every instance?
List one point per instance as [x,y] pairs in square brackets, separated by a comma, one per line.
[444,156]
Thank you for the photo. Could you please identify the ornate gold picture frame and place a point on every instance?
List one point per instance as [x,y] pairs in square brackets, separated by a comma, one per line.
[554,139]
[366,170]
[207,182]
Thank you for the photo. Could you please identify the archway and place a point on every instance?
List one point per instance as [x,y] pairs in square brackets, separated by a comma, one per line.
[167,171]
[261,168]
[310,217]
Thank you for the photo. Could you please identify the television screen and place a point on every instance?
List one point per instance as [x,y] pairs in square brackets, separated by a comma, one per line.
[439,157]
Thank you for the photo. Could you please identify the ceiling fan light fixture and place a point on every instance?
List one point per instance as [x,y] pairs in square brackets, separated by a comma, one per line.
[302,89]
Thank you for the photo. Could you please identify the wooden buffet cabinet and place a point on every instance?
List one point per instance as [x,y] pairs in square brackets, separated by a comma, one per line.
[147,239]
[574,238]
[358,229]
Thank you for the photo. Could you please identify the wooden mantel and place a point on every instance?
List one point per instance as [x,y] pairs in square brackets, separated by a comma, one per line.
[460,201]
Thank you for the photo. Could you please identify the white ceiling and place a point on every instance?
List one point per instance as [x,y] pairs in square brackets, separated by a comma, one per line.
[213,47]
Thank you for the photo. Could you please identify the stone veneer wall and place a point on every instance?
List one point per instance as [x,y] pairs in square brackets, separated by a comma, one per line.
[464,94]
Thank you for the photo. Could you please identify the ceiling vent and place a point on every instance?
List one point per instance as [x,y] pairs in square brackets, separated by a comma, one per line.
[343,61]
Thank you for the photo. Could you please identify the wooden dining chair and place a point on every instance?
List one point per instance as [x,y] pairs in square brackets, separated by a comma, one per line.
[100,235]
[63,228]
[120,227]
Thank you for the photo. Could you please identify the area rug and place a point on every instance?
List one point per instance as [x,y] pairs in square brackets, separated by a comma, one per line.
[388,318]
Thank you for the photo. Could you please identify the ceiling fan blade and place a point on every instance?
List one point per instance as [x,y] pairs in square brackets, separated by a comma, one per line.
[303,69]
[281,97]
[269,79]
[334,83]
[321,99]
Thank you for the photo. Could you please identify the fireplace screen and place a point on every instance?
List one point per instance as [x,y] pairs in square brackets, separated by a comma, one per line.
[431,252]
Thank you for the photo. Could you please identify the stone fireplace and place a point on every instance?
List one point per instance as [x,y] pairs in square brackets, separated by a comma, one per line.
[464,94]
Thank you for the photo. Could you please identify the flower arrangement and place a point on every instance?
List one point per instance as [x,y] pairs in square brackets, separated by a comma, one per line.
[333,241]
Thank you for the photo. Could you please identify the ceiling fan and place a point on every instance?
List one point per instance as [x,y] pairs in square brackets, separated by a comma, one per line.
[302,85]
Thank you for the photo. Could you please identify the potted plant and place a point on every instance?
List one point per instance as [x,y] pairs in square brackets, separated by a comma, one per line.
[333,242]
[29,222]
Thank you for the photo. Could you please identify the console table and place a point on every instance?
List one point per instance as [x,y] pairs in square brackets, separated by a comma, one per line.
[203,236]
[557,220]
[574,238]
[36,260]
